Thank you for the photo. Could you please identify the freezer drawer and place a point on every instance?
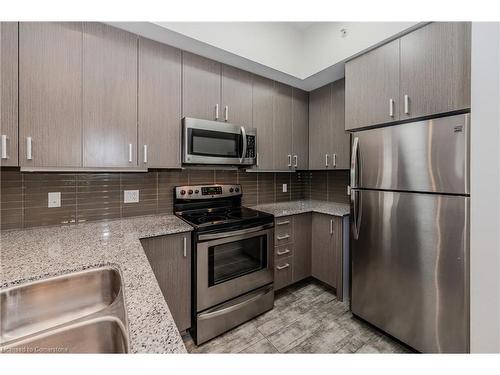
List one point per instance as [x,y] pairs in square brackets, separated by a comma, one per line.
[410,256]
[425,156]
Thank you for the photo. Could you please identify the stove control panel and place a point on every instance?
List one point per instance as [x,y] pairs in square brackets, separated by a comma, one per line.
[207,191]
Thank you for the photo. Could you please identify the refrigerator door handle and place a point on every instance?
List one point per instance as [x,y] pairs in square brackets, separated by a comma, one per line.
[356,214]
[354,163]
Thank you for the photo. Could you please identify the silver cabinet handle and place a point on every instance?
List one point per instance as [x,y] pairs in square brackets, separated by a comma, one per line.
[286,251]
[283,267]
[130,152]
[283,222]
[185,247]
[226,113]
[145,154]
[4,146]
[331,226]
[29,154]
[407,104]
[283,237]
[296,161]
[334,159]
[257,160]
[217,111]
[289,161]
[391,107]
[326,160]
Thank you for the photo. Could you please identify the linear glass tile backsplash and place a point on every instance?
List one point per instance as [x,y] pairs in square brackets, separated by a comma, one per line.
[98,196]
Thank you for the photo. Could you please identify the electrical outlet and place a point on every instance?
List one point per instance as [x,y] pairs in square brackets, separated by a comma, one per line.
[285,188]
[54,199]
[130,196]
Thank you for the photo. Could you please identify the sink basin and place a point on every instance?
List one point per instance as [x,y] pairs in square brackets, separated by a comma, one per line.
[63,310]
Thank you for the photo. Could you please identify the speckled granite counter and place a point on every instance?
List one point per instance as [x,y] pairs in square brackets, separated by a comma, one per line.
[38,253]
[300,207]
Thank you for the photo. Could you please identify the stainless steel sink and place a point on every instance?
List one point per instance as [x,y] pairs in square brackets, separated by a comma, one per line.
[82,312]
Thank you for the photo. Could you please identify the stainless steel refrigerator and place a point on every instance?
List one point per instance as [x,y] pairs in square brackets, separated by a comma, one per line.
[410,232]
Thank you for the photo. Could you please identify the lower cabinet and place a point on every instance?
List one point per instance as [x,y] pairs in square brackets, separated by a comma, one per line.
[302,251]
[170,259]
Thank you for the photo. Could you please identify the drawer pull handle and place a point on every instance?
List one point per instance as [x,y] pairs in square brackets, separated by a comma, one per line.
[286,251]
[283,222]
[283,237]
[279,268]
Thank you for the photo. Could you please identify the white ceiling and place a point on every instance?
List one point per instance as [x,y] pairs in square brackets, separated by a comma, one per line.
[306,55]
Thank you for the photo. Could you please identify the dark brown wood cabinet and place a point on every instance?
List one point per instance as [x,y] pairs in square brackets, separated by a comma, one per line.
[170,259]
[302,229]
[282,127]
[262,107]
[159,95]
[9,94]
[236,96]
[300,129]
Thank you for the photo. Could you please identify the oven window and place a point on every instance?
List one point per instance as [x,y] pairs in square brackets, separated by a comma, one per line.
[214,143]
[234,259]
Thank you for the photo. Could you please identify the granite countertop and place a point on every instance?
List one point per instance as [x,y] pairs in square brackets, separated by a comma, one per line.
[303,206]
[38,253]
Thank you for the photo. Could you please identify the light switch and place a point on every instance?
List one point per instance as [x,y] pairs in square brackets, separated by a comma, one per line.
[54,199]
[285,188]
[130,196]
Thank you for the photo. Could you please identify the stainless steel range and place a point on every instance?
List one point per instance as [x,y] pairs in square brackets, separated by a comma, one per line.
[232,264]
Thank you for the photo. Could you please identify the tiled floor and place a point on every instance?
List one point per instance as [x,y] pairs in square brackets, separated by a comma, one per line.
[307,318]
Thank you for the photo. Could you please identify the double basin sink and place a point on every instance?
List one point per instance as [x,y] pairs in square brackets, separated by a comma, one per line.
[81,312]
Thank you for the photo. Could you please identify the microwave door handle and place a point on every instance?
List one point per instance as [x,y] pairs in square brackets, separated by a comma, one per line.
[244,150]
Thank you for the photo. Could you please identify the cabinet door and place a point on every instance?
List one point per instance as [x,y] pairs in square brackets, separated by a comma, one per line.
[320,121]
[159,105]
[324,257]
[109,97]
[201,87]
[300,129]
[371,82]
[50,94]
[340,138]
[282,126]
[302,249]
[236,96]
[263,93]
[9,93]
[170,259]
[435,69]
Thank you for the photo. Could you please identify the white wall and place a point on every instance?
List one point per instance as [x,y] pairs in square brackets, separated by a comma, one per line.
[485,188]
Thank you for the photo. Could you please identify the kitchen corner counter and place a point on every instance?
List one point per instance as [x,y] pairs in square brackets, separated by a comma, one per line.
[304,206]
[38,253]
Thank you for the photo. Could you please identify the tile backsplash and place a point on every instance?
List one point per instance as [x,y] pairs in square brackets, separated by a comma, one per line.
[97,196]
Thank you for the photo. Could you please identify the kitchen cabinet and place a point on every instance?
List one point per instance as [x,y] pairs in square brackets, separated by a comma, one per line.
[50,94]
[282,127]
[236,97]
[327,249]
[170,259]
[201,87]
[283,251]
[372,87]
[109,97]
[9,94]
[159,98]
[435,69]
[302,229]
[300,129]
[328,140]
[262,107]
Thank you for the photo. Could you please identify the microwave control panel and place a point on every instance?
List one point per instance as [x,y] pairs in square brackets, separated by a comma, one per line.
[250,146]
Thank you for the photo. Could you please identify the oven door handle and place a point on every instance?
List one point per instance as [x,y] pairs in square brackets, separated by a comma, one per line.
[244,139]
[215,236]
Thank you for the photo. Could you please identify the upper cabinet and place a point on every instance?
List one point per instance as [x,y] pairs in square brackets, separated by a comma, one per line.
[282,127]
[201,87]
[50,94]
[159,105]
[328,141]
[109,97]
[9,93]
[300,129]
[236,99]
[435,69]
[425,72]
[372,87]
[262,107]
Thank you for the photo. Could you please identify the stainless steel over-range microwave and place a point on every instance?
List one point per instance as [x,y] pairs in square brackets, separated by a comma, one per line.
[213,142]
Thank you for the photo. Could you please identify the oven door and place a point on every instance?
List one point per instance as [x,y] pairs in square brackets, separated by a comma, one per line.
[231,264]
[213,142]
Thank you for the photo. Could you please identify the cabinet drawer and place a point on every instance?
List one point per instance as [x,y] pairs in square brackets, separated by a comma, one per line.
[283,272]
[283,251]
[283,230]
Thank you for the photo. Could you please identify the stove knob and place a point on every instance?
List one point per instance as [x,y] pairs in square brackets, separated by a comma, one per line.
[196,191]
[183,192]
[231,190]
[237,190]
[190,192]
